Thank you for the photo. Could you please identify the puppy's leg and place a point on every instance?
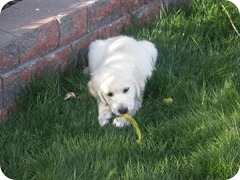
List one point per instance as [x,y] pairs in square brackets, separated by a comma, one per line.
[104,113]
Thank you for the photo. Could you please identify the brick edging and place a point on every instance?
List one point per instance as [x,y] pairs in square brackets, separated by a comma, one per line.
[35,36]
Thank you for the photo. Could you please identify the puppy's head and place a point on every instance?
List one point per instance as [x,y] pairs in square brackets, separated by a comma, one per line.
[120,91]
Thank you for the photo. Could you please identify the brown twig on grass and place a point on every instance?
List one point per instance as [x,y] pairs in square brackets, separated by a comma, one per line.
[234,27]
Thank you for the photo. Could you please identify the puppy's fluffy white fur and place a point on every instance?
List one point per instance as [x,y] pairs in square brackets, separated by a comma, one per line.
[119,68]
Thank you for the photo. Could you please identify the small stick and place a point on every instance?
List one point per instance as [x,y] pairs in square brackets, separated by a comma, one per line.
[235,29]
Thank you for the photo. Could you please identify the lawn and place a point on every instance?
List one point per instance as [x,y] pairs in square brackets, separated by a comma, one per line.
[197,137]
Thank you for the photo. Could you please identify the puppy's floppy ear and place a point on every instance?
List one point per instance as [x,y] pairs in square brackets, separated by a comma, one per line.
[94,90]
[139,90]
[102,99]
[139,83]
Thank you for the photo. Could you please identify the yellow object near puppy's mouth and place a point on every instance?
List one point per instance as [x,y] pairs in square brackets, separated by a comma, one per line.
[135,125]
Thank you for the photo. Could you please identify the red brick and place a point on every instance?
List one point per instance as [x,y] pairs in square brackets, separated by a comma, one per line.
[127,20]
[31,70]
[102,12]
[72,25]
[81,45]
[36,31]
[112,29]
[11,87]
[127,7]
[4,112]
[38,40]
[12,81]
[3,115]
[9,55]
[148,13]
[58,59]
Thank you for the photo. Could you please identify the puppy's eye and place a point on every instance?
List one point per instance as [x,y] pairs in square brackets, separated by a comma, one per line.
[125,90]
[110,94]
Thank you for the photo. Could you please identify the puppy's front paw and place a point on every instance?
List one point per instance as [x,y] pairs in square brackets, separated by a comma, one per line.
[120,122]
[104,117]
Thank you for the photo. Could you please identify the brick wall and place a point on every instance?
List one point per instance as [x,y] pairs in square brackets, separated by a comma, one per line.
[40,34]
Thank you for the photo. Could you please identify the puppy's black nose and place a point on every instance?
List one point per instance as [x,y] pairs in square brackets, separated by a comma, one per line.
[123,110]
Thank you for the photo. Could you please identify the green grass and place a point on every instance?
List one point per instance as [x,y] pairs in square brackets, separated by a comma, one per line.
[197,137]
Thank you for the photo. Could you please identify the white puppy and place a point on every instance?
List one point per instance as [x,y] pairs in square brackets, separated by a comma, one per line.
[119,68]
